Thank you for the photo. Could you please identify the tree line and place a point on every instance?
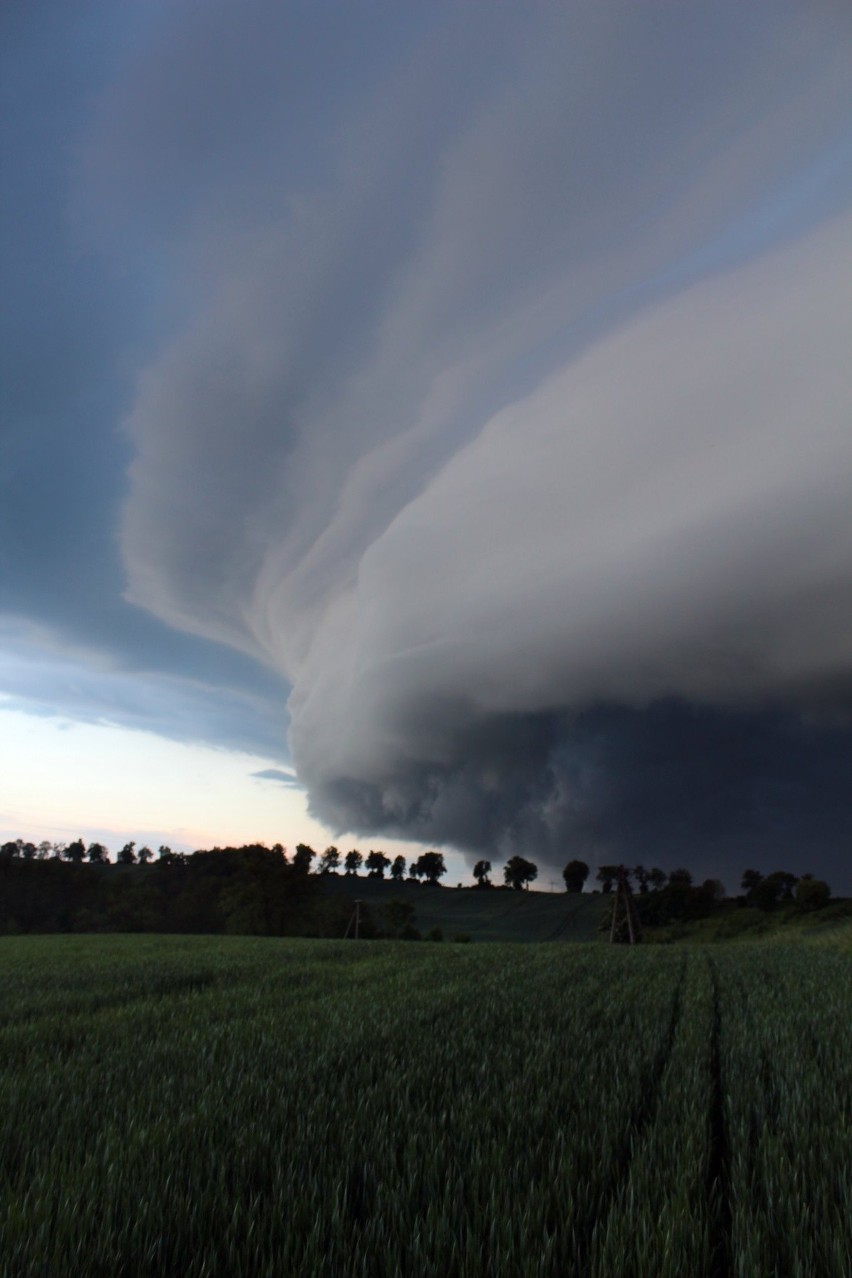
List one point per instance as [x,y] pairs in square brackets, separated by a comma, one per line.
[269,891]
[429,867]
[247,890]
[664,898]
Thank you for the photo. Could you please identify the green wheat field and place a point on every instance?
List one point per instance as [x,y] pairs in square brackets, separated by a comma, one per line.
[233,1106]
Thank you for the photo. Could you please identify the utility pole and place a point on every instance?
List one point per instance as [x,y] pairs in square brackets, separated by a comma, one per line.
[356,920]
[624,912]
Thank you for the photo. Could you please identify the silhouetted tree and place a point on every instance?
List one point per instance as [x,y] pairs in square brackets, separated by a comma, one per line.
[679,900]
[680,878]
[518,872]
[481,871]
[787,883]
[714,890]
[127,855]
[811,893]
[606,876]
[302,858]
[330,860]
[430,866]
[641,876]
[377,863]
[750,880]
[353,861]
[766,893]
[575,875]
[397,870]
[144,855]
[657,878]
[774,888]
[9,850]
[76,852]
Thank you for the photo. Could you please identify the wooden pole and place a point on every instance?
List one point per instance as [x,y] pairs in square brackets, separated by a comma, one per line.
[624,902]
[355,918]
[629,912]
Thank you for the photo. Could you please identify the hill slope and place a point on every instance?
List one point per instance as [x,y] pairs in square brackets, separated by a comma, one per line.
[494,914]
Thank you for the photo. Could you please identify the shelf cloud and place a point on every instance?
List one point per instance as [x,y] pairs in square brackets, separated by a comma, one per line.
[505,411]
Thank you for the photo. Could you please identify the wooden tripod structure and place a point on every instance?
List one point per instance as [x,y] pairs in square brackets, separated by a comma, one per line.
[625,926]
[354,924]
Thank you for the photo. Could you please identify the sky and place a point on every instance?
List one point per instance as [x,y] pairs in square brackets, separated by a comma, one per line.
[429,426]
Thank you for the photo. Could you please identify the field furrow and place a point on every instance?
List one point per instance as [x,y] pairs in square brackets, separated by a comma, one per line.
[216,1106]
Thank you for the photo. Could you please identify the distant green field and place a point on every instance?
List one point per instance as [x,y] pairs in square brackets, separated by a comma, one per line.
[484,915]
[209,1106]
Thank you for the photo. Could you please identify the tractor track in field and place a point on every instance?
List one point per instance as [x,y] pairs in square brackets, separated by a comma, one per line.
[565,924]
[641,1119]
[718,1163]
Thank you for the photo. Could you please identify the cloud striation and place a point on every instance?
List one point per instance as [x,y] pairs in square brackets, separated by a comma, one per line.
[508,414]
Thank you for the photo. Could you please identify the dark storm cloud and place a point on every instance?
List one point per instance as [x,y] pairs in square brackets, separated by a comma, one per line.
[530,398]
[500,402]
[673,784]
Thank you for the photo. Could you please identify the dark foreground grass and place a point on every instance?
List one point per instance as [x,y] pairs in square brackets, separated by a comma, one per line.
[221,1106]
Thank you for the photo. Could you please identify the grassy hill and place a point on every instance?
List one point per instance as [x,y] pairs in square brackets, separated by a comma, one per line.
[500,914]
[493,914]
[735,921]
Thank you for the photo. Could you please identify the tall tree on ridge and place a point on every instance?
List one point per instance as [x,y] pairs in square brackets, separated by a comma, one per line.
[480,872]
[518,872]
[353,861]
[575,875]
[397,870]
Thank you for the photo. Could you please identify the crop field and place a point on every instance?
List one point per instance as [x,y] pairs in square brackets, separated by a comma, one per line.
[226,1106]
